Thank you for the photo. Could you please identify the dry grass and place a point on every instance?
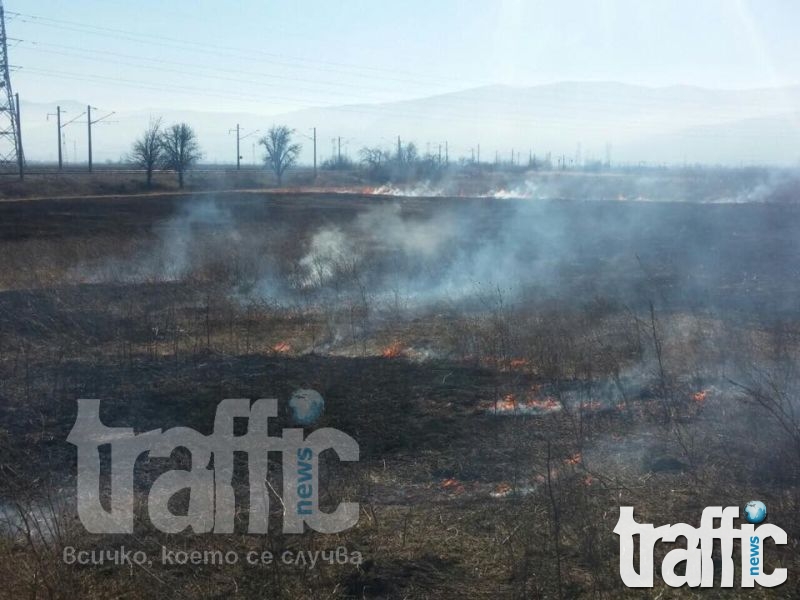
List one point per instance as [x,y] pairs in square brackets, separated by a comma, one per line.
[435,458]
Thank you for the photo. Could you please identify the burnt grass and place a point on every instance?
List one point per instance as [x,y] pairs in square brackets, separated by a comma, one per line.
[672,300]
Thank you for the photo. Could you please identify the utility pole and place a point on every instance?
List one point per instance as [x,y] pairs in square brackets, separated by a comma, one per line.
[339,151]
[10,143]
[239,138]
[89,125]
[20,154]
[238,153]
[58,125]
[61,127]
[313,138]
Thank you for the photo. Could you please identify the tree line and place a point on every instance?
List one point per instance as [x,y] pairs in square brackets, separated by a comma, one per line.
[175,148]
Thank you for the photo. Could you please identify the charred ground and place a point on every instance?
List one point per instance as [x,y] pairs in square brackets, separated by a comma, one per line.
[513,371]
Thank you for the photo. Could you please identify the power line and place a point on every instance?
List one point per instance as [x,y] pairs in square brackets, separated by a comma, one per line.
[626,120]
[221,78]
[204,73]
[204,47]
[366,109]
[207,48]
[361,109]
[556,103]
[352,109]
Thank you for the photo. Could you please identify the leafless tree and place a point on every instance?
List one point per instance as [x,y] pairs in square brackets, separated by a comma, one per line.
[181,151]
[281,152]
[147,152]
[373,158]
[409,154]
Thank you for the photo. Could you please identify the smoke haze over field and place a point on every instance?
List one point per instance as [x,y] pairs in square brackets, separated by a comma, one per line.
[447,252]
[584,122]
[680,82]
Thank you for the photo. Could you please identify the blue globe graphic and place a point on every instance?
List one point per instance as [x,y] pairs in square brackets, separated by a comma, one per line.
[307,406]
[755,512]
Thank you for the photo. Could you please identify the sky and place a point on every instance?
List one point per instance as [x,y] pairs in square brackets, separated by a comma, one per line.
[271,57]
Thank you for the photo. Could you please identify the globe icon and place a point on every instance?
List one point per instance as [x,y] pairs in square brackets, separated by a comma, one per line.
[307,406]
[755,512]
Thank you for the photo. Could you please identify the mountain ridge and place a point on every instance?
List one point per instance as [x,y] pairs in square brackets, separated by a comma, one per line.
[572,118]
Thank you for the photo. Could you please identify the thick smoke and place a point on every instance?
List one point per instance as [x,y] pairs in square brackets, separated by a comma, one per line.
[432,253]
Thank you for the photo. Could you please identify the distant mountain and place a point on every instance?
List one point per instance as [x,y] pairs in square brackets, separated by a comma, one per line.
[580,120]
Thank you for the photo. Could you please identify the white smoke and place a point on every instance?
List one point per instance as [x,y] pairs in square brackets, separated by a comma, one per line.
[328,252]
[424,189]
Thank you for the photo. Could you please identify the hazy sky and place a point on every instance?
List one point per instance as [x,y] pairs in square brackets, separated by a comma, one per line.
[269,57]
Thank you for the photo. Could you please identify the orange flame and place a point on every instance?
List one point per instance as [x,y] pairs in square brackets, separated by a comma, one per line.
[393,350]
[282,347]
[509,402]
[547,403]
[531,403]
[502,490]
[575,459]
[700,396]
[453,485]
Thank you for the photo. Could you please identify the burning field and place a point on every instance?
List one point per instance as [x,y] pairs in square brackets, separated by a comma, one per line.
[512,370]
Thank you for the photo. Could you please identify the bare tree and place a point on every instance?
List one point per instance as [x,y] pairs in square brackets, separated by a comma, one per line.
[374,157]
[147,152]
[409,154]
[281,152]
[377,162]
[181,151]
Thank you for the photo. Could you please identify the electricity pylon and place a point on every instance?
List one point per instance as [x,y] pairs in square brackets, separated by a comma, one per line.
[10,135]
